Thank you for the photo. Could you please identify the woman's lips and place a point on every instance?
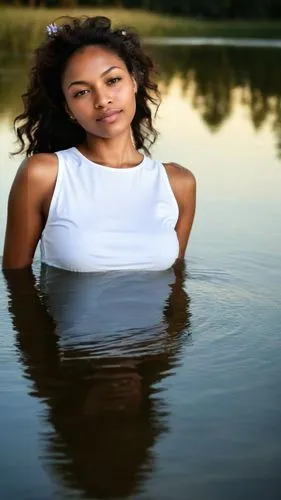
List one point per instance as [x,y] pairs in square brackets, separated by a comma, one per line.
[111,118]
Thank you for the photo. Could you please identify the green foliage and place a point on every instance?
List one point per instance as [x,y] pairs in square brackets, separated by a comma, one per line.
[22,29]
[213,9]
[201,9]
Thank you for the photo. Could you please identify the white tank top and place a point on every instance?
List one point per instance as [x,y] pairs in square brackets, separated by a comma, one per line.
[105,218]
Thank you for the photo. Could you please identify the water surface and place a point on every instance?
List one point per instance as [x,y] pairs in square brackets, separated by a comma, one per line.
[159,385]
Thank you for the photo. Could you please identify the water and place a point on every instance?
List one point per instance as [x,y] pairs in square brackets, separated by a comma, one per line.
[212,41]
[158,386]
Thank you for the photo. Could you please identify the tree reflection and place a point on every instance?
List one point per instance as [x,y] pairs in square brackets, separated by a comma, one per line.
[100,382]
[210,75]
[209,79]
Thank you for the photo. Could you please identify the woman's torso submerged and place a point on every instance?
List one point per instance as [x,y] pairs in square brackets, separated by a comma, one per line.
[104,218]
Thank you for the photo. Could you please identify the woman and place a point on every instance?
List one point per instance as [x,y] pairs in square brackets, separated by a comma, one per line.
[85,190]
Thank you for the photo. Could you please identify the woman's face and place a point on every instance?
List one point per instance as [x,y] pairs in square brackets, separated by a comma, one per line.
[96,81]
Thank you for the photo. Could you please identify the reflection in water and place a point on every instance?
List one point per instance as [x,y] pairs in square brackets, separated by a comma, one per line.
[94,347]
[208,76]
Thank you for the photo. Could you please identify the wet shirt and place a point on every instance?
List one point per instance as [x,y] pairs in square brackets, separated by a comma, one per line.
[104,218]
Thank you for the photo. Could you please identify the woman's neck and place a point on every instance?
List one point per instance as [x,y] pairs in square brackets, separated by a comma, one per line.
[117,152]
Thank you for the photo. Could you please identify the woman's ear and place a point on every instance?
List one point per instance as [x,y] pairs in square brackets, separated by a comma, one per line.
[135,85]
[66,108]
[68,112]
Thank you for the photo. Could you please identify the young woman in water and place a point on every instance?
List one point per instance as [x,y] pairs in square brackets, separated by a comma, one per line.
[85,190]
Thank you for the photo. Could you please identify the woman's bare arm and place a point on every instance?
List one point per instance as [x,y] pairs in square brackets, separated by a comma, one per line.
[25,219]
[183,184]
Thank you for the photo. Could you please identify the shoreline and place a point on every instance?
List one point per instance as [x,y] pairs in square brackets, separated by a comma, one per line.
[23,28]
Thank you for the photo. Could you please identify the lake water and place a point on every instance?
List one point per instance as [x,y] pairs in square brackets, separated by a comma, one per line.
[159,386]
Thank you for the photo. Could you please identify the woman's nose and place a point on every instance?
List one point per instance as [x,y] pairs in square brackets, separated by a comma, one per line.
[102,99]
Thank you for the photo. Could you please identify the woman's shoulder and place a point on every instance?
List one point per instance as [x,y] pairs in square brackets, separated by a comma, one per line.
[36,173]
[182,181]
[40,166]
[179,173]
[39,161]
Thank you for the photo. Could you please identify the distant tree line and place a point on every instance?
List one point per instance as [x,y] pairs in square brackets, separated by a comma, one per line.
[205,9]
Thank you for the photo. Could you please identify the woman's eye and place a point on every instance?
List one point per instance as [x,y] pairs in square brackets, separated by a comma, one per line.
[80,93]
[114,80]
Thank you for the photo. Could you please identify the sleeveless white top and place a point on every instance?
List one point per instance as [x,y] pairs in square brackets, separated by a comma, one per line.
[105,218]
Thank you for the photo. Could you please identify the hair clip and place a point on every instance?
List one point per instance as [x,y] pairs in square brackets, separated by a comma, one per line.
[52,29]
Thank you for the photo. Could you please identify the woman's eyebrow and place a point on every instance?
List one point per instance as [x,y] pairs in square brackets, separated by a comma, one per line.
[82,82]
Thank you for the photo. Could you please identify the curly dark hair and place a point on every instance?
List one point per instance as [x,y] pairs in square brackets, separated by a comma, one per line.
[44,126]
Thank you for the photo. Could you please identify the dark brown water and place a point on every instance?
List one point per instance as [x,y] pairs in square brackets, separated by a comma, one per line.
[159,386]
